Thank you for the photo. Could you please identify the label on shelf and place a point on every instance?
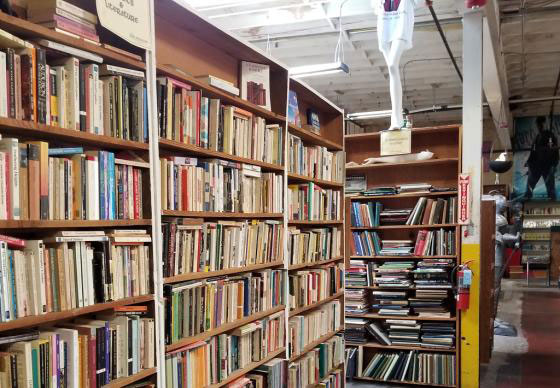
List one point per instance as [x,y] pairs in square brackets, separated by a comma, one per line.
[397,142]
[128,19]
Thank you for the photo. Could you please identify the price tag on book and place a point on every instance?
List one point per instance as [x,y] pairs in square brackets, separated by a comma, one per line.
[464,199]
[397,142]
[129,19]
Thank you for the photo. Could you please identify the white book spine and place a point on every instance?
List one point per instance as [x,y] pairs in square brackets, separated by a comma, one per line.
[48,101]
[52,197]
[75,94]
[3,86]
[3,246]
[79,283]
[3,197]
[5,282]
[14,187]
[62,93]
[91,294]
[99,107]
[85,273]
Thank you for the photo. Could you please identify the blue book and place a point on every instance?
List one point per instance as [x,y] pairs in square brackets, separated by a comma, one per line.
[102,180]
[111,186]
[2,294]
[135,355]
[13,313]
[36,368]
[65,151]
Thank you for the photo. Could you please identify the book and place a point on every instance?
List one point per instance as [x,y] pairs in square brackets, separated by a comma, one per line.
[219,83]
[38,10]
[315,161]
[307,246]
[310,202]
[293,109]
[255,83]
[307,287]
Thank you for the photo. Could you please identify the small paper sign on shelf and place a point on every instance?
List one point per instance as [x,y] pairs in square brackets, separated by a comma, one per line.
[129,19]
[464,199]
[397,142]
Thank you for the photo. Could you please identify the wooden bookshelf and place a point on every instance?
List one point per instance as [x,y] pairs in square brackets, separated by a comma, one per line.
[177,213]
[332,370]
[401,196]
[403,382]
[70,224]
[313,138]
[305,179]
[403,257]
[125,381]
[315,343]
[223,272]
[294,267]
[436,130]
[49,318]
[402,347]
[315,223]
[416,163]
[409,317]
[313,306]
[400,227]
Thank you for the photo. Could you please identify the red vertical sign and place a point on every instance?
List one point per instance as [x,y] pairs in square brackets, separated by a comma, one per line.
[464,199]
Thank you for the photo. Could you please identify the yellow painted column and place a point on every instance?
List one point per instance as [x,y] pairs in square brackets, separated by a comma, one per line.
[469,362]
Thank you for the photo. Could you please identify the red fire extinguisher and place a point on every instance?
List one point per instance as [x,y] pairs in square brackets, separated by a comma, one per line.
[464,281]
[475,3]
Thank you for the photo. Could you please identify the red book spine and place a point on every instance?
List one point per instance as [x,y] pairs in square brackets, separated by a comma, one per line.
[184,194]
[12,241]
[63,22]
[198,118]
[135,173]
[8,159]
[76,29]
[92,357]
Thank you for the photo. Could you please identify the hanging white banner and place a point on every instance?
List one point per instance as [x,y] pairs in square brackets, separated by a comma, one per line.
[129,19]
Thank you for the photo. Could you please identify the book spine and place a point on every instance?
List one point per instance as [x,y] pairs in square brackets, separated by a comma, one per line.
[41,86]
[76,11]
[111,185]
[3,85]
[54,98]
[44,180]
[82,89]
[27,88]
[78,28]
[11,80]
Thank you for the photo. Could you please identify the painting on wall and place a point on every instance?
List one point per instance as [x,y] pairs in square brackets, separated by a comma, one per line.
[536,171]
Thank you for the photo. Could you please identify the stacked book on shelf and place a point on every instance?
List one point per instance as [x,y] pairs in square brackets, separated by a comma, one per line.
[315,162]
[430,211]
[38,182]
[199,306]
[309,202]
[396,248]
[72,269]
[84,352]
[317,363]
[203,363]
[195,246]
[391,303]
[441,335]
[403,332]
[357,301]
[215,185]
[393,274]
[355,330]
[359,274]
[314,285]
[441,242]
[313,245]
[186,116]
[380,191]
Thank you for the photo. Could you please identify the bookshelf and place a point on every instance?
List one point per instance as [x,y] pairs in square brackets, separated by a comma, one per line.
[441,172]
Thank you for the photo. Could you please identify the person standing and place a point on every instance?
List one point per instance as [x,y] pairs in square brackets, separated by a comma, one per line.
[543,161]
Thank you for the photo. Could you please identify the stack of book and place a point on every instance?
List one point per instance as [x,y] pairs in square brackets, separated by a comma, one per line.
[198,306]
[359,274]
[316,364]
[86,352]
[414,188]
[355,185]
[438,334]
[209,362]
[72,269]
[215,185]
[365,243]
[403,332]
[429,211]
[64,17]
[391,303]
[355,330]
[414,367]
[435,243]
[396,248]
[186,116]
[394,216]
[433,274]
[313,245]
[42,183]
[309,202]
[356,301]
[191,246]
[366,214]
[382,190]
[270,375]
[304,329]
[378,333]
[314,285]
[393,274]
[314,161]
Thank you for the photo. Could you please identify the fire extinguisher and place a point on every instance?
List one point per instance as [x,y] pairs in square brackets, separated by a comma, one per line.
[464,281]
[475,3]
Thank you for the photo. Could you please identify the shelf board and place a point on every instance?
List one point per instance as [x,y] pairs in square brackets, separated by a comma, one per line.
[125,381]
[312,223]
[225,97]
[403,382]
[31,129]
[28,30]
[239,373]
[389,227]
[409,317]
[403,257]
[178,213]
[229,271]
[315,305]
[222,329]
[427,163]
[316,343]
[305,179]
[172,145]
[314,264]
[415,131]
[378,288]
[399,196]
[71,224]
[401,347]
[313,138]
[48,318]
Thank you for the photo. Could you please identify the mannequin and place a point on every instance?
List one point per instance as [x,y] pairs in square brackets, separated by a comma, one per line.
[395,24]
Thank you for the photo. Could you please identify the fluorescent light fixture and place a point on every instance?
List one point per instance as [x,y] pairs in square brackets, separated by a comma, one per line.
[376,114]
[317,70]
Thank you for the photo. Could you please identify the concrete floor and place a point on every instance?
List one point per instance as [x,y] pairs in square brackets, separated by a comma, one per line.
[530,360]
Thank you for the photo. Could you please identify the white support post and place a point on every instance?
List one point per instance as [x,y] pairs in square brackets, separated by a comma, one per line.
[471,164]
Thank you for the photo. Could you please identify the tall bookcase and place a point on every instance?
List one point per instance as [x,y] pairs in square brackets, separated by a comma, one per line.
[440,171]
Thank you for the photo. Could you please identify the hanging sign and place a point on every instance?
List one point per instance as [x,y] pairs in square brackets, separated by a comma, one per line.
[129,19]
[397,142]
[464,199]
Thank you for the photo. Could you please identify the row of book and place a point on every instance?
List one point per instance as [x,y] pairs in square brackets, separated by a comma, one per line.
[304,329]
[195,307]
[440,242]
[192,246]
[315,161]
[365,214]
[38,182]
[271,374]
[215,185]
[72,269]
[79,94]
[204,363]
[314,285]
[186,116]
[413,366]
[313,245]
[309,202]
[82,353]
[317,364]
[428,211]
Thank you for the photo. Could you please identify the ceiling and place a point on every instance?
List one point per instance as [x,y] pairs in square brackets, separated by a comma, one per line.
[303,32]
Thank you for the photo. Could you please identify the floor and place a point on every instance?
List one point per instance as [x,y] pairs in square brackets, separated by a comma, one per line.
[532,359]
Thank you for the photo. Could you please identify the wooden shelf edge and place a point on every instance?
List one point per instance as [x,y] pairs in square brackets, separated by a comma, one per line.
[316,343]
[124,381]
[393,227]
[401,347]
[408,317]
[304,223]
[403,257]
[405,164]
[179,213]
[302,178]
[182,147]
[222,329]
[417,131]
[229,271]
[37,320]
[61,224]
[315,305]
[313,138]
[403,382]
[239,373]
[399,196]
[315,264]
